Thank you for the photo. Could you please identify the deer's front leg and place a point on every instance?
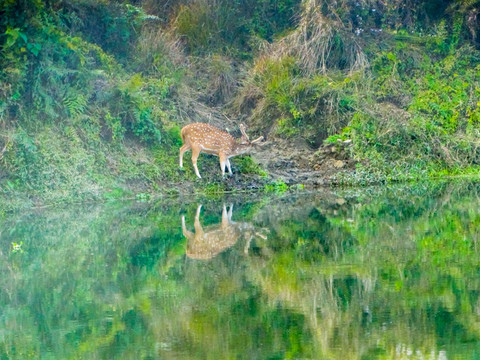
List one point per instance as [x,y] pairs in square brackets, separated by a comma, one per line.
[196,224]
[223,162]
[229,167]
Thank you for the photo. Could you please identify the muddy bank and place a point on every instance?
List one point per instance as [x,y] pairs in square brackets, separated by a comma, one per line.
[294,162]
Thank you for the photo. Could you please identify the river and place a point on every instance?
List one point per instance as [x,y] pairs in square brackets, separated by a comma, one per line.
[368,273]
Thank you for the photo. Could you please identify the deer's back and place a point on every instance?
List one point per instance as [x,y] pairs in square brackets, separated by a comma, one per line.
[207,136]
[213,241]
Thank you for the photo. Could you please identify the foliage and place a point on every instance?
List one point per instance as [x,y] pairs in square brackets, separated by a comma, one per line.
[221,79]
[246,165]
[311,107]
[435,130]
[63,86]
[277,186]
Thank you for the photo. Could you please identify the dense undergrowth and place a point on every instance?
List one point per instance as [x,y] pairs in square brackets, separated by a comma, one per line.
[93,93]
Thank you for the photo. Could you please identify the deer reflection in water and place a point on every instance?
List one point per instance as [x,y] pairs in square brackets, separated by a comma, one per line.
[207,243]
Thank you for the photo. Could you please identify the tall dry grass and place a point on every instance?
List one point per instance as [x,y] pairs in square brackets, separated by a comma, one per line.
[321,42]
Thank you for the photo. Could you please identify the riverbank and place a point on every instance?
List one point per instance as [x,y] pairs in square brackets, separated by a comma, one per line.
[93,95]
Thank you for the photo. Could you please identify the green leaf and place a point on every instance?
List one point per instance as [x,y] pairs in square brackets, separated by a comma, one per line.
[34,48]
[23,36]
[12,36]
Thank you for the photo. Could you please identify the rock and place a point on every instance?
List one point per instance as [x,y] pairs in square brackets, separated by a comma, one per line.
[339,164]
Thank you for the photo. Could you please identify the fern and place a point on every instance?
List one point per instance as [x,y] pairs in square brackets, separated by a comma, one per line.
[75,104]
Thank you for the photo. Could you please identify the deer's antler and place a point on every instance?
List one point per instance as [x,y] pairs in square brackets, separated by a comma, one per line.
[242,130]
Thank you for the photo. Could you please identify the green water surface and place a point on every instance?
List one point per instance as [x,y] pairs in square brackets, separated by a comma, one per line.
[350,274]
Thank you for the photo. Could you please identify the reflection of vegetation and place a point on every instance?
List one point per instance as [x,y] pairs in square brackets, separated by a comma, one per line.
[376,275]
[44,298]
[416,259]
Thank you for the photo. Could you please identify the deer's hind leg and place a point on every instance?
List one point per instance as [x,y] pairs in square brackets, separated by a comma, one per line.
[224,217]
[195,152]
[184,148]
[188,234]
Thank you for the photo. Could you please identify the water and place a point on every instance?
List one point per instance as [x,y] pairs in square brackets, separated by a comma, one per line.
[356,274]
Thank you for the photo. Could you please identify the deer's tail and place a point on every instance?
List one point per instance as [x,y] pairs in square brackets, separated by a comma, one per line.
[183,133]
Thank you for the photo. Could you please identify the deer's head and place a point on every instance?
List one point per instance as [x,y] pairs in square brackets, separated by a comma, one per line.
[244,144]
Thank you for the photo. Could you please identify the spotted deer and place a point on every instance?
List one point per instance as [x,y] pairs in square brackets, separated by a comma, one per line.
[206,243]
[206,138]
